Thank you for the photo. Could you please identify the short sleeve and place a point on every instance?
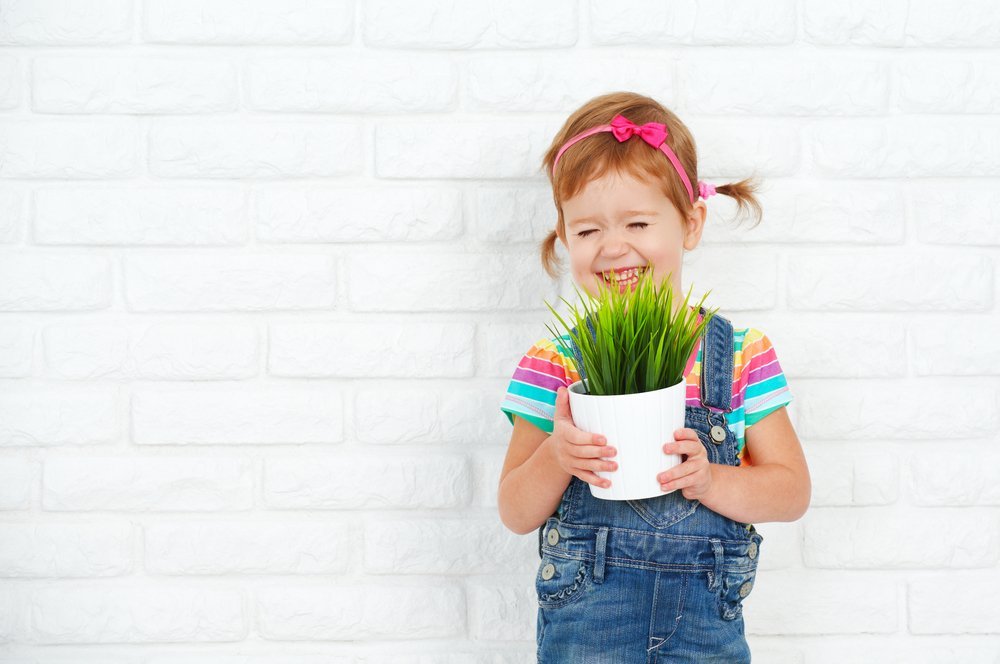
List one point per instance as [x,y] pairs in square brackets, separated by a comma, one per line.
[765,383]
[531,393]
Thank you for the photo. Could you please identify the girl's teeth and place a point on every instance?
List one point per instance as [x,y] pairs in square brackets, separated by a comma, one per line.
[626,277]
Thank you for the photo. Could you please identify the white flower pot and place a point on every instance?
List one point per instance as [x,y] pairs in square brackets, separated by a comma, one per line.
[637,425]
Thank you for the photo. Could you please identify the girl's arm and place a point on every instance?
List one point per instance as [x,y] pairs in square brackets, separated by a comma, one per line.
[775,488]
[531,482]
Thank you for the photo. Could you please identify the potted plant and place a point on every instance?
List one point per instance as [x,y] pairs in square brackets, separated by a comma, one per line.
[631,349]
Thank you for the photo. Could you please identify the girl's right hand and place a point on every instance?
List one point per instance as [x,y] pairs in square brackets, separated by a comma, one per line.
[579,453]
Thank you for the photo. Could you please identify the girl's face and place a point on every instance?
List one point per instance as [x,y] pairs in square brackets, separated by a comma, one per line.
[618,221]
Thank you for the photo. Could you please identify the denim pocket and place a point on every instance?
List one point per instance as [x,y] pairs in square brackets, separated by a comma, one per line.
[665,510]
[736,586]
[560,581]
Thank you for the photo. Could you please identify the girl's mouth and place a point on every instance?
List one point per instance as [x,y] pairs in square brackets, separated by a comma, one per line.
[626,277]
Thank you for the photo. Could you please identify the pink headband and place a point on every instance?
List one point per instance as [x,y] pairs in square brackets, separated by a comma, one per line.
[654,133]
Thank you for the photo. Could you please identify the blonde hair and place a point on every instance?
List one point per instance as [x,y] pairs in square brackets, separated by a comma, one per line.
[601,153]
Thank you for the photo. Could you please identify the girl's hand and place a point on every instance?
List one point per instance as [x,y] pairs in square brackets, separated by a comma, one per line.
[693,476]
[578,452]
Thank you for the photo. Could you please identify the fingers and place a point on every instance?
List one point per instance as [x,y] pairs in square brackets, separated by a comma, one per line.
[596,480]
[569,430]
[686,442]
[562,405]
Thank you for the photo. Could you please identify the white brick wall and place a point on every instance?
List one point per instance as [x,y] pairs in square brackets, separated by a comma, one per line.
[266,268]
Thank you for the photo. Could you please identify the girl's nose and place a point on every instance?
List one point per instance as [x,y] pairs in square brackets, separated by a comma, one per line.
[614,246]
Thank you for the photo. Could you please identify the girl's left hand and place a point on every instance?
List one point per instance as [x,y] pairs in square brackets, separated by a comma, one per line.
[694,474]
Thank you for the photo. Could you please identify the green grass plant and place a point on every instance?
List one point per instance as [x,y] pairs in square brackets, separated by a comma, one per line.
[638,343]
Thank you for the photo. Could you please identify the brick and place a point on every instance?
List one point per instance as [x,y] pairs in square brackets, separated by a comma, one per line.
[513,214]
[429,481]
[460,149]
[882,538]
[487,466]
[821,346]
[444,546]
[908,147]
[718,22]
[781,548]
[368,83]
[12,618]
[957,603]
[360,612]
[247,659]
[452,281]
[17,350]
[887,281]
[928,23]
[855,23]
[517,653]
[65,549]
[150,614]
[140,216]
[270,416]
[253,149]
[237,282]
[964,474]
[844,475]
[345,350]
[844,212]
[248,22]
[65,22]
[152,350]
[356,214]
[947,83]
[738,278]
[18,478]
[11,82]
[503,344]
[935,352]
[60,416]
[446,24]
[725,154]
[962,213]
[43,148]
[522,82]
[53,282]
[147,484]
[132,85]
[889,649]
[921,409]
[248,547]
[773,85]
[13,214]
[391,416]
[504,609]
[807,602]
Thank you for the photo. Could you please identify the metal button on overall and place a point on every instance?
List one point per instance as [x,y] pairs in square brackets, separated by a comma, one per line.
[553,537]
[752,550]
[745,588]
[548,571]
[718,434]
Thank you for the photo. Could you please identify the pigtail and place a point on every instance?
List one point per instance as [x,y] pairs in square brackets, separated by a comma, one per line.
[744,193]
[550,261]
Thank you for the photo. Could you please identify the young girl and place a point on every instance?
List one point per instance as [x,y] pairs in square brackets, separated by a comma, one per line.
[659,579]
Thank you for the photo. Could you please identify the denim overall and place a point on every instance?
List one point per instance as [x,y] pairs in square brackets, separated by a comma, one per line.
[658,579]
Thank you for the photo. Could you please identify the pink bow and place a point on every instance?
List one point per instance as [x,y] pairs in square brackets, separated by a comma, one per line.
[654,133]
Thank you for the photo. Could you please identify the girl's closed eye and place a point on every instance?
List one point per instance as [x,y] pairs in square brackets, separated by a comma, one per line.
[643,224]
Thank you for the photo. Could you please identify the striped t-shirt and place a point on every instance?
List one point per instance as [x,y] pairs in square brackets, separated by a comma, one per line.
[759,386]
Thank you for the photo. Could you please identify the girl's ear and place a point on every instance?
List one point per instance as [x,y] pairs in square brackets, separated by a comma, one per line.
[695,225]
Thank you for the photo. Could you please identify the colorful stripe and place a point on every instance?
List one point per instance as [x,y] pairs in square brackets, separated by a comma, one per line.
[759,386]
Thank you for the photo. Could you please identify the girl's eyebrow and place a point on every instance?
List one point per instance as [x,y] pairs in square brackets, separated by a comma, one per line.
[626,215]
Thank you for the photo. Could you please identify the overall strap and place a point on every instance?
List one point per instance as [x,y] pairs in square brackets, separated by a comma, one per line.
[717,364]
